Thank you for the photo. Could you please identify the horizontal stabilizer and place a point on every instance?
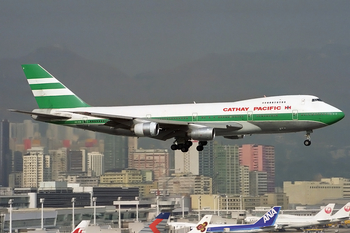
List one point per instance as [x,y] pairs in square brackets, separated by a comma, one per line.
[45,115]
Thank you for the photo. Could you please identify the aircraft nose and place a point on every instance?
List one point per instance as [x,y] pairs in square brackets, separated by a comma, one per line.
[341,115]
[337,116]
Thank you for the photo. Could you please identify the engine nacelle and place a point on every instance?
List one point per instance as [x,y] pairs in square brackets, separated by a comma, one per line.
[203,134]
[148,129]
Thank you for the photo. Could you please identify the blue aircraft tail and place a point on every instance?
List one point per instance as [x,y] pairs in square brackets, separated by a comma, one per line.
[269,217]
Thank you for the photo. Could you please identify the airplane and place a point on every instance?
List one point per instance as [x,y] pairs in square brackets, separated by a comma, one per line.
[158,225]
[342,214]
[285,221]
[183,122]
[265,223]
[81,228]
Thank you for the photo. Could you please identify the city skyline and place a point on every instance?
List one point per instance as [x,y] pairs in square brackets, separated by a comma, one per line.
[58,161]
[78,138]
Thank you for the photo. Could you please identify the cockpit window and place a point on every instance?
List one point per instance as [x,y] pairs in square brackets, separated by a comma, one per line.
[313,100]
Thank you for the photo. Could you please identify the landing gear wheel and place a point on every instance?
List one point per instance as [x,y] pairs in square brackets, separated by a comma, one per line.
[184,149]
[203,143]
[200,148]
[188,144]
[307,142]
[182,144]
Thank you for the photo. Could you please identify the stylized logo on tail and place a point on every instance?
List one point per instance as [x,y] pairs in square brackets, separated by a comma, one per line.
[328,210]
[269,217]
[78,230]
[202,227]
[158,225]
[82,226]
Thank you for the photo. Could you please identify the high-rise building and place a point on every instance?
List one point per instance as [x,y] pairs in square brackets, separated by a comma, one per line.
[206,160]
[260,158]
[76,162]
[17,161]
[132,146]
[5,153]
[36,167]
[115,152]
[258,183]
[16,179]
[187,162]
[244,180]
[185,184]
[95,163]
[58,162]
[227,169]
[156,160]
[25,130]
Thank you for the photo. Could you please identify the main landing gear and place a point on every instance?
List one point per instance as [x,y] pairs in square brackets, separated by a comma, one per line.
[184,145]
[307,142]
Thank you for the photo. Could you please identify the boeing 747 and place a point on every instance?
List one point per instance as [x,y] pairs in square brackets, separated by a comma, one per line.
[265,223]
[183,122]
[285,221]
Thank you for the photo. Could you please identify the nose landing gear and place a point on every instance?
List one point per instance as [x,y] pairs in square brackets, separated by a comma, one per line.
[307,142]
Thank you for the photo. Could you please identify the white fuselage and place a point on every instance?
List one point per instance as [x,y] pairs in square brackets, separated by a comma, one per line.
[277,114]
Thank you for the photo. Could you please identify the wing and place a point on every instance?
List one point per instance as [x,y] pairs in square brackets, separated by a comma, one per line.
[168,128]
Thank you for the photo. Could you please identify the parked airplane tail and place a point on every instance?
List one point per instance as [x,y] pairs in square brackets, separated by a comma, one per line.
[325,214]
[48,91]
[342,214]
[269,218]
[202,226]
[81,226]
[158,225]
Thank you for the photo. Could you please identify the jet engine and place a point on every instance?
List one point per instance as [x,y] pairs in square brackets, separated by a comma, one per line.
[149,129]
[202,134]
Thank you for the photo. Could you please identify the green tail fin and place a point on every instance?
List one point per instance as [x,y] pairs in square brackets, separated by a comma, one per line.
[48,91]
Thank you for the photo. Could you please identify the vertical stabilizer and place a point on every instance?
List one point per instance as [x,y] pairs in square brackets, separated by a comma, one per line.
[48,91]
[269,218]
[202,226]
[325,213]
[81,228]
[158,225]
[342,214]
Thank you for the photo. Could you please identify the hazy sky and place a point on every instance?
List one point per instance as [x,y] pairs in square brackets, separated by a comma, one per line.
[139,36]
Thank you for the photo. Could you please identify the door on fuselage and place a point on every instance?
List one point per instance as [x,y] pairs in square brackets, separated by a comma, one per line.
[194,116]
[249,116]
[295,115]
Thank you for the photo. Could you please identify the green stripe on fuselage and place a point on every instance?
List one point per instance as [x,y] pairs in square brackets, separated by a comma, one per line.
[61,101]
[47,86]
[325,118]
